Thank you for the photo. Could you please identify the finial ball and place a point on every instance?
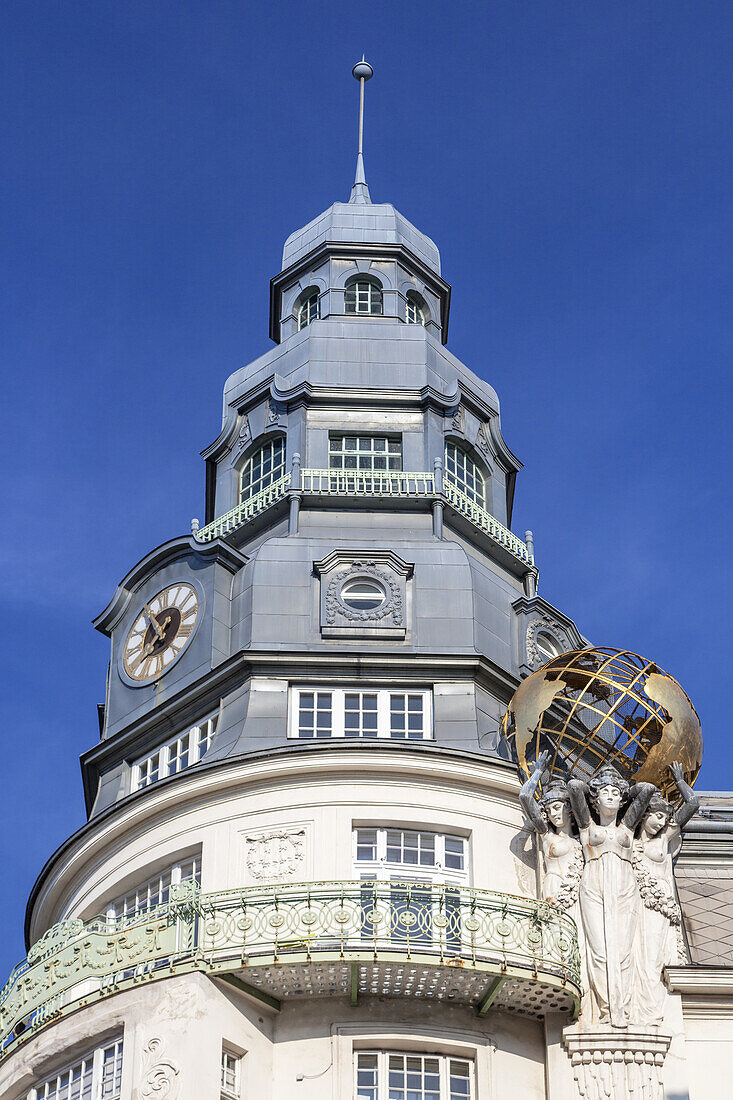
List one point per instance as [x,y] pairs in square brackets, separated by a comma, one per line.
[362,70]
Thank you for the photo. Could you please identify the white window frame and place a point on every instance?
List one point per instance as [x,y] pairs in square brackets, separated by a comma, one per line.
[53,1087]
[271,453]
[194,743]
[384,871]
[364,453]
[368,294]
[338,712]
[130,905]
[308,310]
[444,1066]
[230,1059]
[457,460]
[414,309]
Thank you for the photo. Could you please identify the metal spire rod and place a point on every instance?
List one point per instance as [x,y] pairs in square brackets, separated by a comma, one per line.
[362,72]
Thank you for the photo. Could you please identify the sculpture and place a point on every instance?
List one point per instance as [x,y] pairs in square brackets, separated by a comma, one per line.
[655,848]
[609,896]
[561,850]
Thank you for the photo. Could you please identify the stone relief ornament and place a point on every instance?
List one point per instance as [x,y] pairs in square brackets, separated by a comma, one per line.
[275,410]
[482,440]
[458,421]
[536,626]
[275,855]
[244,435]
[160,1076]
[391,608]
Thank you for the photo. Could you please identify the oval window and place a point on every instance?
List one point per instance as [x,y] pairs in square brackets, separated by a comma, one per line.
[363,595]
[546,645]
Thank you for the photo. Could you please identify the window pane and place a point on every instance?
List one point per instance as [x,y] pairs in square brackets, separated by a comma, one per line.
[315,714]
[462,471]
[366,844]
[350,452]
[366,1077]
[262,468]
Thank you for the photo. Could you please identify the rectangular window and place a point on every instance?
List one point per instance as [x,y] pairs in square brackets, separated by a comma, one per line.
[364,452]
[96,1076]
[179,753]
[230,1075]
[388,1075]
[343,712]
[154,891]
[409,878]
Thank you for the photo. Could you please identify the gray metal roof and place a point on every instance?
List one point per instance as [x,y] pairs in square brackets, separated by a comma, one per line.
[360,221]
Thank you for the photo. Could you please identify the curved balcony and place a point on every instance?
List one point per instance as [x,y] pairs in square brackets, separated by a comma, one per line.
[349,939]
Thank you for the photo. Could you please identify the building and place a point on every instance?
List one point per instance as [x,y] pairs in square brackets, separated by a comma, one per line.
[305,871]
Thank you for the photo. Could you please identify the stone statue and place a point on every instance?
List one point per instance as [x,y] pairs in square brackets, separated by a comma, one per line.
[610,904]
[655,848]
[561,850]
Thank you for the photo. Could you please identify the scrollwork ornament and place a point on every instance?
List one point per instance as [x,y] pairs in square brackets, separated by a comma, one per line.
[482,441]
[392,606]
[161,1076]
[534,657]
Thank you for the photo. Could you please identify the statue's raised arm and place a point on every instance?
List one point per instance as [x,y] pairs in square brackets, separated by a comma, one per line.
[528,795]
[691,801]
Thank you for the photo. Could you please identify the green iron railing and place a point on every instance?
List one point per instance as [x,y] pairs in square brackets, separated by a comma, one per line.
[360,483]
[355,484]
[486,522]
[76,962]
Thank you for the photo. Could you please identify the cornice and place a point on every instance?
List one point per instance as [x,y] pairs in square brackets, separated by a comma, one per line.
[217,550]
[700,980]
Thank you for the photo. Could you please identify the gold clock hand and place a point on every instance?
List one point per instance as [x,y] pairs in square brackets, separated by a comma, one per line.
[154,622]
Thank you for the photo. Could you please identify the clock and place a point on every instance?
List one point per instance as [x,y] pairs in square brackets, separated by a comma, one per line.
[161,632]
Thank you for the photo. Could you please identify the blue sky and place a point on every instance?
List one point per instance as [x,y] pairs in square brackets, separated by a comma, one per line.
[573,163]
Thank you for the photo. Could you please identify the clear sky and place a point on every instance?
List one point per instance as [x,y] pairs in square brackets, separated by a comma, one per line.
[573,162]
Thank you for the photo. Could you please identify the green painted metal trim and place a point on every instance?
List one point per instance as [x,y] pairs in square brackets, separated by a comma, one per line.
[250,990]
[490,995]
[354,984]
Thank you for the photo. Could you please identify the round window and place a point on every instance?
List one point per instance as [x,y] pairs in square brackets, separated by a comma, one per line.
[547,646]
[363,594]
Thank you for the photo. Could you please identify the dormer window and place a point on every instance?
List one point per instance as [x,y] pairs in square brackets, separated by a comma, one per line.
[363,295]
[308,308]
[415,313]
[263,467]
[463,473]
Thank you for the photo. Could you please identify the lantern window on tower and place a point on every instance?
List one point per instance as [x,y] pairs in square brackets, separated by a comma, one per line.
[263,467]
[339,712]
[363,295]
[415,311]
[364,452]
[308,309]
[463,473]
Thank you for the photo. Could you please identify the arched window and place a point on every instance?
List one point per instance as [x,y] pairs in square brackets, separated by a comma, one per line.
[363,295]
[462,471]
[308,307]
[263,467]
[415,312]
[546,645]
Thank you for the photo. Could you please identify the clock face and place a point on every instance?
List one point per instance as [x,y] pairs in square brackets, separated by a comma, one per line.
[161,632]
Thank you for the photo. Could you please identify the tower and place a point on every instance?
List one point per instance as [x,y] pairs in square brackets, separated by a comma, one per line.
[305,869]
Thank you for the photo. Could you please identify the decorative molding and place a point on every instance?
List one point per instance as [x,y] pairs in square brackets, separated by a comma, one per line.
[458,420]
[392,606]
[161,1076]
[482,442]
[273,413]
[244,435]
[616,1062]
[275,855]
[549,626]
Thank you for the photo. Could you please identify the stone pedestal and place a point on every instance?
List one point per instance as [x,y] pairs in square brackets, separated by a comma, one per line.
[610,1063]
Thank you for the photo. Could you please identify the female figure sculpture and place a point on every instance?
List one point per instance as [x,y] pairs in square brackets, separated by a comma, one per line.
[561,851]
[609,896]
[655,848]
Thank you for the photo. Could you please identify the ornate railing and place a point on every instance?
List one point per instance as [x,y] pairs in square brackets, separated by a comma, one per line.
[486,522]
[245,511]
[361,483]
[360,922]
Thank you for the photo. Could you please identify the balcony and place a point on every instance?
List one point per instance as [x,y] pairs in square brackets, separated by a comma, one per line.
[352,939]
[419,489]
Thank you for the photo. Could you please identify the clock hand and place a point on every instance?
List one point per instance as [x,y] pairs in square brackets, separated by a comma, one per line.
[154,622]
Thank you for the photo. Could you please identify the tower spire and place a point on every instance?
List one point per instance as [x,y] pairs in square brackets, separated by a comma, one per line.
[362,72]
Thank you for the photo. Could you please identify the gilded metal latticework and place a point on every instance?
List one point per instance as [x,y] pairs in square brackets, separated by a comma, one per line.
[591,707]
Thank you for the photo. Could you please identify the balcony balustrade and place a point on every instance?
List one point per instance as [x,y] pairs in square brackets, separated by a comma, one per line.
[309,939]
[351,485]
